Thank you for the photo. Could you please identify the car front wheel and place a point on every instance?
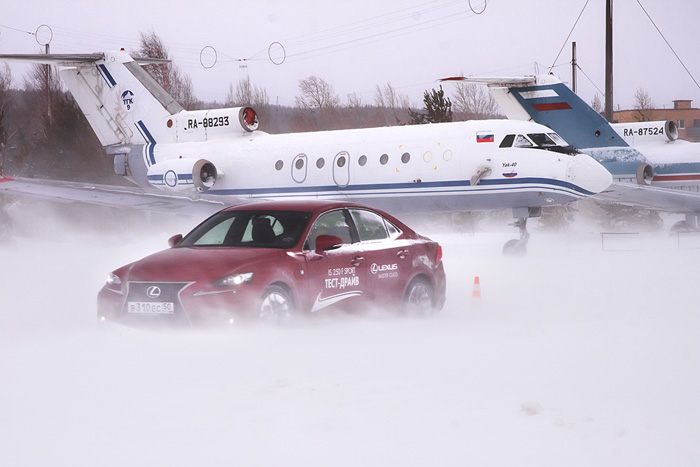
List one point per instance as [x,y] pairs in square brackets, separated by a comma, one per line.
[276,306]
[420,298]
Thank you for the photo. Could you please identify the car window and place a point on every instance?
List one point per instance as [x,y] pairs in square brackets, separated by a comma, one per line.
[258,224]
[217,234]
[392,229]
[330,223]
[370,225]
[258,229]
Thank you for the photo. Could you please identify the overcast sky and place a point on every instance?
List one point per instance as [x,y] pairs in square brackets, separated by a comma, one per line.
[359,44]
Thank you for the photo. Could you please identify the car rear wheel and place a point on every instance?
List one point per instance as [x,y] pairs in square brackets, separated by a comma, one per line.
[420,298]
[276,306]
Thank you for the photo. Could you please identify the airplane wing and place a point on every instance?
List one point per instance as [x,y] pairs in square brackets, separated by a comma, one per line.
[650,197]
[115,196]
[73,59]
[495,80]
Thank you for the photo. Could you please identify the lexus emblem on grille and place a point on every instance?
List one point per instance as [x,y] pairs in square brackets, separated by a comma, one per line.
[153,292]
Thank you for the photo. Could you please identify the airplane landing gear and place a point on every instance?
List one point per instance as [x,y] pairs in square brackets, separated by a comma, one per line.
[690,224]
[518,247]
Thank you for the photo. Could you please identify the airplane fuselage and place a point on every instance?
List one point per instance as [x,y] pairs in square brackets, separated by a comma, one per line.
[421,167]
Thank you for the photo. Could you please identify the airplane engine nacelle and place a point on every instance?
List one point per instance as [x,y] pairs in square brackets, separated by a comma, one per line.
[183,174]
[644,132]
[645,174]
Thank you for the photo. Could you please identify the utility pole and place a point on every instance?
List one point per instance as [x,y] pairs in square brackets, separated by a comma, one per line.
[48,85]
[573,66]
[609,60]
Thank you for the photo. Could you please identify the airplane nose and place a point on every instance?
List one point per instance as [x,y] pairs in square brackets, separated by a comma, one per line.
[587,173]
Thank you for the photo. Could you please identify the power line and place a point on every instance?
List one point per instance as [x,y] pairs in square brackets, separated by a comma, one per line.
[566,41]
[668,44]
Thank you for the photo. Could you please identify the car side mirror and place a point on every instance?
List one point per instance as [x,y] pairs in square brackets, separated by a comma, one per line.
[327,242]
[175,240]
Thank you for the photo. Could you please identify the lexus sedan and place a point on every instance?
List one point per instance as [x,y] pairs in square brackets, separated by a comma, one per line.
[271,260]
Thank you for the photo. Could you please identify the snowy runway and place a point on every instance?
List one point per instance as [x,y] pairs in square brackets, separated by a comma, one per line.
[573,356]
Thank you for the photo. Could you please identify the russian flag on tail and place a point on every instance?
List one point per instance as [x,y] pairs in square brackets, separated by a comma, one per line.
[484,137]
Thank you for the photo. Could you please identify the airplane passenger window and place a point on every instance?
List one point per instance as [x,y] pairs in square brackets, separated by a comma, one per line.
[447,155]
[428,156]
[507,141]
[341,161]
[405,157]
[362,160]
[384,159]
[522,142]
[299,164]
[320,162]
[279,165]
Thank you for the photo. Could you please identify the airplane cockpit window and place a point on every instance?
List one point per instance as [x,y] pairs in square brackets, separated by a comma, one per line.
[546,141]
[522,142]
[507,141]
[542,140]
[558,139]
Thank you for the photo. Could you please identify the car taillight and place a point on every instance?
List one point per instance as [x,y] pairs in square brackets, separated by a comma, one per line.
[439,254]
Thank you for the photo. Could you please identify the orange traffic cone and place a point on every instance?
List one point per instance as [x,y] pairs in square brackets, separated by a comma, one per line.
[476,293]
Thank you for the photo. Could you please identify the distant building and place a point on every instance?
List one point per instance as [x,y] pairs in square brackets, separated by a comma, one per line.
[687,118]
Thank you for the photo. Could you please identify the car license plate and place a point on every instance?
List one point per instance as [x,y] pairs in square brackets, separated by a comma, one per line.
[151,308]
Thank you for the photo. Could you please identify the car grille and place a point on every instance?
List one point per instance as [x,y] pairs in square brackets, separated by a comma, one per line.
[155,302]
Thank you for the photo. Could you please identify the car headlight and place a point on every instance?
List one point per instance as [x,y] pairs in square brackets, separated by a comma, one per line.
[234,279]
[113,280]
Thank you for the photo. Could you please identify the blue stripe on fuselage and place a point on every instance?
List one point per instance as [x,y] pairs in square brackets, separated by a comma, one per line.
[423,187]
[150,140]
[107,76]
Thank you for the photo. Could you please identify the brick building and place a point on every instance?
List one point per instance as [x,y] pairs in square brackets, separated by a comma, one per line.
[687,118]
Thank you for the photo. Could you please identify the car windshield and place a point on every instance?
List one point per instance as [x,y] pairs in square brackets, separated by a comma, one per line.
[255,229]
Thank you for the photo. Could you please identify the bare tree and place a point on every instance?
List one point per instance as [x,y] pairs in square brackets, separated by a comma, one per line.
[395,103]
[5,83]
[246,94]
[316,93]
[167,75]
[388,97]
[642,104]
[474,102]
[597,103]
[43,80]
[354,101]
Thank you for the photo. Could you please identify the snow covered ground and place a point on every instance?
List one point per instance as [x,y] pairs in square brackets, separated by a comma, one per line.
[573,356]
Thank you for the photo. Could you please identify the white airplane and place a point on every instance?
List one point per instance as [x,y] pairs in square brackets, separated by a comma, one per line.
[220,154]
[650,166]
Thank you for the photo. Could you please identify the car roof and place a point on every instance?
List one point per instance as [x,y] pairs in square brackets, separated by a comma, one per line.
[297,205]
[313,206]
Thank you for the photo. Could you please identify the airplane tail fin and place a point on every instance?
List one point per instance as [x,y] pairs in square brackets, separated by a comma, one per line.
[546,100]
[122,102]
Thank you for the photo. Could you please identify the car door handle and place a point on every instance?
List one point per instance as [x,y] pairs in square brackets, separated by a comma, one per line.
[402,253]
[357,260]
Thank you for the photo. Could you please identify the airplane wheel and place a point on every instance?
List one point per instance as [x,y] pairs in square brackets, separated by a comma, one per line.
[419,299]
[515,248]
[276,306]
[682,227]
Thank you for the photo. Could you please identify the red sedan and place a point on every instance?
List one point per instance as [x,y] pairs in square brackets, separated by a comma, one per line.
[269,260]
